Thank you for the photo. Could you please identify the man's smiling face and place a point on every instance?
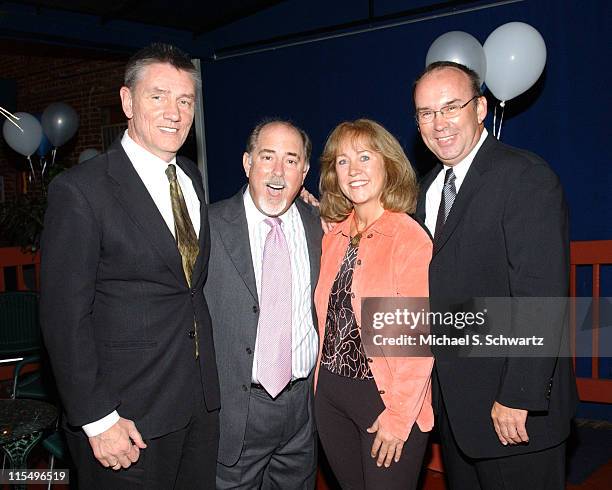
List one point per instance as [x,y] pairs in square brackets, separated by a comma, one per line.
[452,139]
[160,109]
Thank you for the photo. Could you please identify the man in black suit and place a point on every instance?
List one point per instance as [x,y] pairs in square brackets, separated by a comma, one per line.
[124,258]
[499,221]
[267,429]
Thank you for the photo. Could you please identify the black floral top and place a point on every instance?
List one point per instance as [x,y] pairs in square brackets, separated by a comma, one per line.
[343,353]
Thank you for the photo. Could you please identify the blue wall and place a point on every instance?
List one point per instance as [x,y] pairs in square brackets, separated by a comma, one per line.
[562,118]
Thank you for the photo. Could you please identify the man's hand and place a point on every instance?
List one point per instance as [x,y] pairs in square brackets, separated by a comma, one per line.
[386,446]
[119,446]
[308,198]
[509,424]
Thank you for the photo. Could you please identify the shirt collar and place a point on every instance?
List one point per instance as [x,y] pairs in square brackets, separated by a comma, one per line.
[382,225]
[461,169]
[142,159]
[254,216]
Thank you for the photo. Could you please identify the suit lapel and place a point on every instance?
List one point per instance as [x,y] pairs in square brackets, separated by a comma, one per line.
[472,182]
[138,204]
[235,236]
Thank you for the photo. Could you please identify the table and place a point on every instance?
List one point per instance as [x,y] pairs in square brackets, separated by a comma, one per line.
[21,424]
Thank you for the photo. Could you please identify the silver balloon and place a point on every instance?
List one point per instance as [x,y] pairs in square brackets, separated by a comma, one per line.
[460,47]
[59,122]
[25,142]
[88,154]
[516,55]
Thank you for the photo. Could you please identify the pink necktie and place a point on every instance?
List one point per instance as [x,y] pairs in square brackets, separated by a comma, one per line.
[274,329]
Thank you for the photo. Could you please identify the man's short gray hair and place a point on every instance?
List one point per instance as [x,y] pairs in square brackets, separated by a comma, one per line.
[159,53]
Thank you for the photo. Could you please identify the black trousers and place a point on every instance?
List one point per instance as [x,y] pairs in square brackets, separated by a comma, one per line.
[185,459]
[541,470]
[344,409]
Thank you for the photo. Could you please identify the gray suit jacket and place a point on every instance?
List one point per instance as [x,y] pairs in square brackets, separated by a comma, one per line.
[231,293]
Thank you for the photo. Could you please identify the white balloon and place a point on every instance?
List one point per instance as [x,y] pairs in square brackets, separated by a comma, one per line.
[27,141]
[460,47]
[88,154]
[516,55]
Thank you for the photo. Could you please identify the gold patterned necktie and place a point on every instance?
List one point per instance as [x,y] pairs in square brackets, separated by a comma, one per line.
[186,238]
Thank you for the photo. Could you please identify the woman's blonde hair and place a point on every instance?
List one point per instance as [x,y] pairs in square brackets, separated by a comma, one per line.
[400,189]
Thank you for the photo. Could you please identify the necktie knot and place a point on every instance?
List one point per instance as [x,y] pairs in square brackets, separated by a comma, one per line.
[449,177]
[273,222]
[171,173]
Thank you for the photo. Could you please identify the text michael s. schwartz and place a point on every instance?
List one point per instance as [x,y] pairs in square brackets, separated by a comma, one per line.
[442,340]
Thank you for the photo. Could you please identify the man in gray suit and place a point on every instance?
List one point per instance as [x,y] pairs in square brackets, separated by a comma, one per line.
[264,265]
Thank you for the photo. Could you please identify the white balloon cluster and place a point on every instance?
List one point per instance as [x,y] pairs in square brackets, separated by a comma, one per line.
[27,134]
[509,63]
[59,123]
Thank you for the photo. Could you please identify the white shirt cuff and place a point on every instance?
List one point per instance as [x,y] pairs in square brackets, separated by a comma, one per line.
[99,426]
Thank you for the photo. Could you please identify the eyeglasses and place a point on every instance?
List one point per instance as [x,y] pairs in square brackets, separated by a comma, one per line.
[448,112]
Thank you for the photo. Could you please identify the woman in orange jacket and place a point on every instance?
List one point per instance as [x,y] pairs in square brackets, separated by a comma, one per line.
[373,413]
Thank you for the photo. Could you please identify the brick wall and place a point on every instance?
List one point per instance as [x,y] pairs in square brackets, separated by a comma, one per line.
[89,85]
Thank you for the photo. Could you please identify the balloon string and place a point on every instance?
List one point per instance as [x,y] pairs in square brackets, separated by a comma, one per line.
[32,168]
[53,155]
[501,119]
[43,162]
[494,118]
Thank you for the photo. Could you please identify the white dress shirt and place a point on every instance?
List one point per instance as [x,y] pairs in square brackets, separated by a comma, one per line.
[152,171]
[434,193]
[304,341]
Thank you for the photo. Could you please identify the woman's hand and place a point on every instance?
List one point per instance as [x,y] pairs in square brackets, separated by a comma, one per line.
[386,447]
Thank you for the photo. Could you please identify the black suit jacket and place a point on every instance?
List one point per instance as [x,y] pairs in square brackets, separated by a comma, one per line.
[234,306]
[116,310]
[506,236]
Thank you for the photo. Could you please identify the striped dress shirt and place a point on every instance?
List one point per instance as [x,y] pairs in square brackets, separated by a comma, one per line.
[304,341]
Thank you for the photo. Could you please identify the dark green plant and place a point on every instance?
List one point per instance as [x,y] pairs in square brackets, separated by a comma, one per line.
[21,219]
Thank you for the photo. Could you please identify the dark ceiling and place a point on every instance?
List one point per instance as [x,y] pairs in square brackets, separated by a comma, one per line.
[196,16]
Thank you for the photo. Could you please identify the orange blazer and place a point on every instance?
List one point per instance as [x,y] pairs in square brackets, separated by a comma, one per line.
[393,260]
